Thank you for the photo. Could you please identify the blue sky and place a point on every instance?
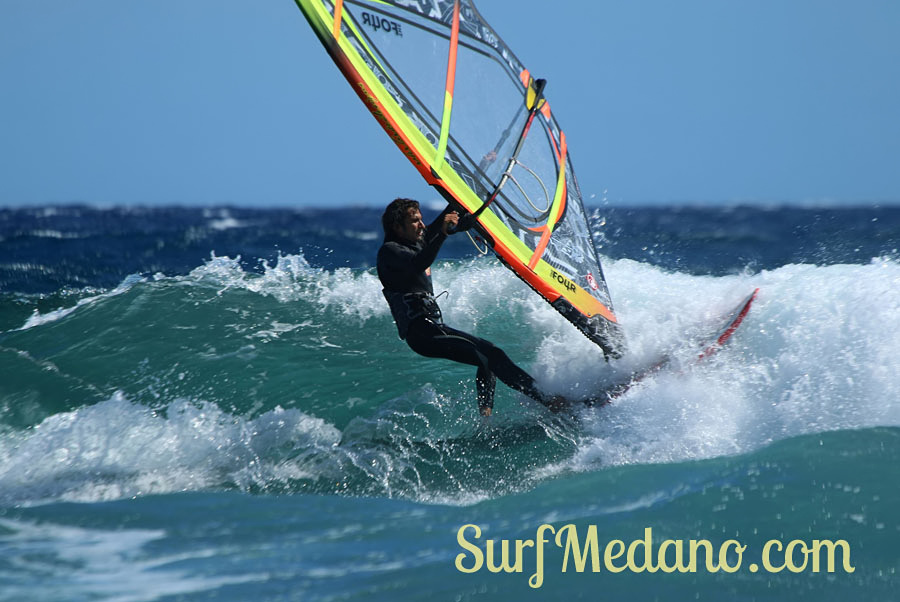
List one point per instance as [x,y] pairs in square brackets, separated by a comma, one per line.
[200,102]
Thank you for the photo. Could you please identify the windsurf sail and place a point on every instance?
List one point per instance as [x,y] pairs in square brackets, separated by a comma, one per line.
[477,126]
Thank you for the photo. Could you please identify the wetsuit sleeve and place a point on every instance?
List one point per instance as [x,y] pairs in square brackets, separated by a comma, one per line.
[400,258]
[437,225]
[426,256]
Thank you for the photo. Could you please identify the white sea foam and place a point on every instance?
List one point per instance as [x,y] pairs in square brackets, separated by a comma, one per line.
[819,351]
[352,292]
[118,449]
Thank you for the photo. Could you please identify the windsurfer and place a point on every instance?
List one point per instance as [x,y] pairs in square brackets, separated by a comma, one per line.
[404,268]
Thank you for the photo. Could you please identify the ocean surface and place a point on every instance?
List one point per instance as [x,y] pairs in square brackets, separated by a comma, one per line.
[213,404]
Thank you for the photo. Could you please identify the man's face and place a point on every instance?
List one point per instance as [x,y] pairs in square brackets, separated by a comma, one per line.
[412,228]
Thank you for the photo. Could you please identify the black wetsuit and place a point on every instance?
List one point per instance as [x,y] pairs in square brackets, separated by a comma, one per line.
[404,271]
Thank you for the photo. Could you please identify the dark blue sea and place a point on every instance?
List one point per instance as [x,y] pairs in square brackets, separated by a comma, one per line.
[213,404]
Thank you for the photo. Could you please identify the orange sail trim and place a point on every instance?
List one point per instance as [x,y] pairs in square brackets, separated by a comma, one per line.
[557,211]
[545,110]
[541,247]
[544,241]
[448,91]
[338,12]
[454,44]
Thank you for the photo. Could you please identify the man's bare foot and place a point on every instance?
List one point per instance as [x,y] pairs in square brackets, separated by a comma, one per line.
[486,411]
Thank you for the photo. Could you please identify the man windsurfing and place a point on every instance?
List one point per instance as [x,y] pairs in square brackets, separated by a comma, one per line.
[404,268]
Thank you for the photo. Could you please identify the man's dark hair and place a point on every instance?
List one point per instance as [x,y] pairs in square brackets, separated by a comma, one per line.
[395,214]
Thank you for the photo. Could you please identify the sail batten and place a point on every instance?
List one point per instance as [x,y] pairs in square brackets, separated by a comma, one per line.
[464,110]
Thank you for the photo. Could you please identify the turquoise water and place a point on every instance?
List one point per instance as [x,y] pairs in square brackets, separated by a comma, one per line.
[238,546]
[232,432]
